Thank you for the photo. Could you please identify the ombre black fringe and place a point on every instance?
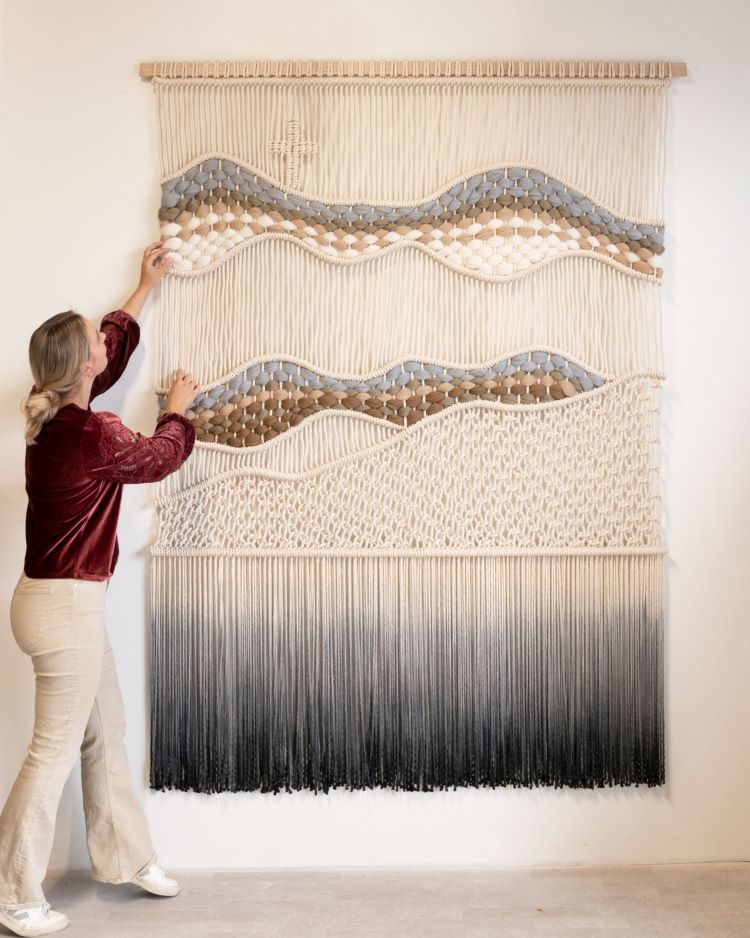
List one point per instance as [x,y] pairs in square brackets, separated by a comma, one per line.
[566,757]
[275,706]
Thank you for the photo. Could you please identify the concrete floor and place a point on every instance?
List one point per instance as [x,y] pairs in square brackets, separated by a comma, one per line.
[681,901]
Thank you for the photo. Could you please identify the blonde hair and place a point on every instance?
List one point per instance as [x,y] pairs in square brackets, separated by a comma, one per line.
[57,350]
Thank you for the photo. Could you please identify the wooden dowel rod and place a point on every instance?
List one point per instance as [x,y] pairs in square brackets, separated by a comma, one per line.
[404,68]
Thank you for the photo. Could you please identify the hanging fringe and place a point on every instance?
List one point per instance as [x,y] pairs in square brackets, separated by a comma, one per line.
[372,141]
[283,674]
[353,319]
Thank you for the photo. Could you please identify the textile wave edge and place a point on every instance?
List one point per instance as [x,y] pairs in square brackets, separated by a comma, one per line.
[583,471]
[266,397]
[326,424]
[640,385]
[287,302]
[302,447]
[327,139]
[497,221]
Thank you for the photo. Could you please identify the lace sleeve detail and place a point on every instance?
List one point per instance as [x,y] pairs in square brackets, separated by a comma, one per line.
[110,450]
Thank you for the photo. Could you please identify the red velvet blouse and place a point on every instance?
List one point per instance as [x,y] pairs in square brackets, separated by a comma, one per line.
[76,469]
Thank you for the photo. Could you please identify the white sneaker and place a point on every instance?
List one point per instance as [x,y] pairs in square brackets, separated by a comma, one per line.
[37,920]
[153,879]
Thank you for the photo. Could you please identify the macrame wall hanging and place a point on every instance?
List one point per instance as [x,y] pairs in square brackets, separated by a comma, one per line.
[418,542]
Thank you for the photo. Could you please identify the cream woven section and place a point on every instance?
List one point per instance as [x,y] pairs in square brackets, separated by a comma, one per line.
[575,474]
[395,141]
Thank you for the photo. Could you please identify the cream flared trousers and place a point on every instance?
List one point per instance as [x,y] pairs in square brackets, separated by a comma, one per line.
[60,624]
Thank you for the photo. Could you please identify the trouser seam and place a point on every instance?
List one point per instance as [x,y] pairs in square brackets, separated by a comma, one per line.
[106,783]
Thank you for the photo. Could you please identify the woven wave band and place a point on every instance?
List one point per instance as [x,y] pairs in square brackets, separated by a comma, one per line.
[497,222]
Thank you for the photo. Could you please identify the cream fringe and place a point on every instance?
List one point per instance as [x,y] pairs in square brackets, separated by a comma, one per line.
[277,299]
[395,143]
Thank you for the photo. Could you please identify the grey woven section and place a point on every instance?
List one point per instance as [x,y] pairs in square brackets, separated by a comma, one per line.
[396,377]
[222,178]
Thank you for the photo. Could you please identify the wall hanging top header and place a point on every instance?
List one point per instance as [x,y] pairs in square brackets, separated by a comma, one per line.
[418,68]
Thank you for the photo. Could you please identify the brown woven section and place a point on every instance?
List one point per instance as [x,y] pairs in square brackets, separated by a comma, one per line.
[265,411]
[505,208]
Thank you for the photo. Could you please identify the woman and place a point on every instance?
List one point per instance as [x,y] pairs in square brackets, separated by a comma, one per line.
[76,463]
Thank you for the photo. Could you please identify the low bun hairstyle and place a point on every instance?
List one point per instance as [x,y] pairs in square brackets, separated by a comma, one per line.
[57,351]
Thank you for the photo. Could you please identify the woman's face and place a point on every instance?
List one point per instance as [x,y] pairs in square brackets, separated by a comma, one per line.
[98,351]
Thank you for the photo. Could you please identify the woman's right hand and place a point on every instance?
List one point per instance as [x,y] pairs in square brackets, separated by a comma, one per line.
[182,393]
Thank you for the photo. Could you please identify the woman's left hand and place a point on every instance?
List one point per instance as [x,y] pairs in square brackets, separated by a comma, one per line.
[154,264]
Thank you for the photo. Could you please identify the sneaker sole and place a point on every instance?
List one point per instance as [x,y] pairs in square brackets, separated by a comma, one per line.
[156,890]
[31,931]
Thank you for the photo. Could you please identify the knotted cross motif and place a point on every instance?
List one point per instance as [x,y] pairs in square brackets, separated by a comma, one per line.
[293,147]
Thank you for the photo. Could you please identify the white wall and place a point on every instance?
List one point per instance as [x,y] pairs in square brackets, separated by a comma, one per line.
[80,192]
